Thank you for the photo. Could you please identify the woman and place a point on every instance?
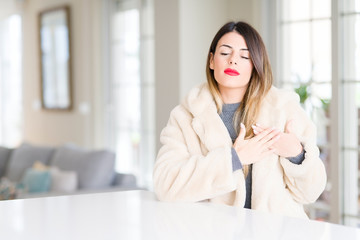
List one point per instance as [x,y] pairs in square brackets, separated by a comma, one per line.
[238,140]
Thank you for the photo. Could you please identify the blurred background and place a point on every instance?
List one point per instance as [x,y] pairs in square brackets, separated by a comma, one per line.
[132,61]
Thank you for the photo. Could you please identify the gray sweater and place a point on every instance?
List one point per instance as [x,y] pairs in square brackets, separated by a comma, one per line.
[227,115]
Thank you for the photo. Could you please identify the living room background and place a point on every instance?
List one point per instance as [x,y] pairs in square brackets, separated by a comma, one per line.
[168,35]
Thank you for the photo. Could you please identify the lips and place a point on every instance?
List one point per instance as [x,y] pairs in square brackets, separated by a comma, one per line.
[231,72]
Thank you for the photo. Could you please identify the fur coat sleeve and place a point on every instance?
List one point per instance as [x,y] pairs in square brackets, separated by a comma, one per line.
[307,180]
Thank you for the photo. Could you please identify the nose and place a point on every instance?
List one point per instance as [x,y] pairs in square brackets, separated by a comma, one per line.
[233,60]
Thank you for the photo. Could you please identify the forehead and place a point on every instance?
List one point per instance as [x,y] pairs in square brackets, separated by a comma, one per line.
[233,39]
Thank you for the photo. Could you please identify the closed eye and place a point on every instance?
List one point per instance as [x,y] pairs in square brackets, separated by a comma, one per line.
[244,57]
[224,54]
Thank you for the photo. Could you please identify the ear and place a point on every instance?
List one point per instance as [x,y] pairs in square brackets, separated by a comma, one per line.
[211,63]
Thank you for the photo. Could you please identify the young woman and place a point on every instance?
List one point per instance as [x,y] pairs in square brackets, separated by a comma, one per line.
[238,140]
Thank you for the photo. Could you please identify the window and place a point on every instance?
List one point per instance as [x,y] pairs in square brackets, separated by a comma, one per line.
[10,82]
[130,89]
[305,63]
[320,57]
[349,22]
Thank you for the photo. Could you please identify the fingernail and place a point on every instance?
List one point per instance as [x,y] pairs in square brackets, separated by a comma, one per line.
[256,132]
[253,126]
[242,125]
[257,124]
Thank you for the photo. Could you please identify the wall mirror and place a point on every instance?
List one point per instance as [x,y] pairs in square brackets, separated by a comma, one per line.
[55,58]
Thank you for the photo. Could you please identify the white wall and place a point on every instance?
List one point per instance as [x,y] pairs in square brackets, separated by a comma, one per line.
[9,7]
[199,22]
[184,30]
[183,33]
[167,70]
[58,127]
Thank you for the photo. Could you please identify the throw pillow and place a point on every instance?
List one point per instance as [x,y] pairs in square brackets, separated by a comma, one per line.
[24,157]
[95,169]
[63,181]
[40,166]
[37,181]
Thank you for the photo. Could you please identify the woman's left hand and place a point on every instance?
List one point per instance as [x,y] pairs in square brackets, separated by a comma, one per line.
[288,144]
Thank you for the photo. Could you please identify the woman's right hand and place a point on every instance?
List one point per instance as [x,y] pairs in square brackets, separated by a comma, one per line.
[256,148]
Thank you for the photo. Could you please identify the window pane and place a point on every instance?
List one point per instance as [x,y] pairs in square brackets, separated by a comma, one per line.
[351,47]
[10,82]
[321,55]
[126,88]
[351,192]
[295,10]
[296,58]
[321,8]
[351,5]
[320,102]
[351,105]
[127,99]
[126,46]
[306,68]
[131,91]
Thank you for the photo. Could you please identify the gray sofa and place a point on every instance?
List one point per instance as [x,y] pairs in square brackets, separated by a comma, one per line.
[67,169]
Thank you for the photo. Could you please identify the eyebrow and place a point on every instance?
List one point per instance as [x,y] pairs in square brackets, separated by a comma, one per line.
[228,46]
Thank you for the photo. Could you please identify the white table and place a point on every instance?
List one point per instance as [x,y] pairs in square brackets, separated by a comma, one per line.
[138,215]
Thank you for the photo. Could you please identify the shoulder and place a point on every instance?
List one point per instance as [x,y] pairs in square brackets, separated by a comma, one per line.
[281,97]
[198,100]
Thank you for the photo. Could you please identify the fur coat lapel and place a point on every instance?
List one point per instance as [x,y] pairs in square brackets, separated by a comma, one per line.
[206,121]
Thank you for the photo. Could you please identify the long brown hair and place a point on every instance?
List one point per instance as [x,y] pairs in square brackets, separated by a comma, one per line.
[260,81]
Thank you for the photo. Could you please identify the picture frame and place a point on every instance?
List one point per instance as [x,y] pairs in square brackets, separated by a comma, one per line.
[55,58]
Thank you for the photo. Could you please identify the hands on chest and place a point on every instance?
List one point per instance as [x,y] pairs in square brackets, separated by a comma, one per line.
[267,140]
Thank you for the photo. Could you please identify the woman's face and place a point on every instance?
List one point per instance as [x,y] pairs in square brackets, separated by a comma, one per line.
[231,63]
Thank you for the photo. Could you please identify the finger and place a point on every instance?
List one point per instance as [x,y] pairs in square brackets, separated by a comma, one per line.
[269,144]
[272,141]
[267,134]
[271,138]
[262,134]
[256,130]
[242,132]
[289,126]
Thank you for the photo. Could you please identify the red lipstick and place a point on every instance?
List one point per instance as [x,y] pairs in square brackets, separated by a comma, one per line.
[231,72]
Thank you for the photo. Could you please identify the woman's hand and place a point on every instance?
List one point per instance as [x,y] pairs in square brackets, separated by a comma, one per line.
[256,148]
[288,144]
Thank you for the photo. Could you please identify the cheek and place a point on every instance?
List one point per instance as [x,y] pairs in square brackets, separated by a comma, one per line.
[218,62]
[248,68]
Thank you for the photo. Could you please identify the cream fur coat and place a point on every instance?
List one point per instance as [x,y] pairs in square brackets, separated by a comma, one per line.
[194,162]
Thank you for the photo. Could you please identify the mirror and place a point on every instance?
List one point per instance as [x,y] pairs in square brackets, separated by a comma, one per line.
[55,58]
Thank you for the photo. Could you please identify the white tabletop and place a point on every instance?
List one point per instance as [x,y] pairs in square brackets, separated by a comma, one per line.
[138,215]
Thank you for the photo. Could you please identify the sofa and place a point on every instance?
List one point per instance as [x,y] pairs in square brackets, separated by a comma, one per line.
[34,171]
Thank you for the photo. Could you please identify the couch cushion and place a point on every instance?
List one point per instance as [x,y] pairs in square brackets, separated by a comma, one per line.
[4,158]
[95,169]
[24,157]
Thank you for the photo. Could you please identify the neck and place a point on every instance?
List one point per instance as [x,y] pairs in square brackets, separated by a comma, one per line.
[232,95]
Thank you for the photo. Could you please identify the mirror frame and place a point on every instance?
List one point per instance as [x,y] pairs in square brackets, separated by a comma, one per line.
[45,103]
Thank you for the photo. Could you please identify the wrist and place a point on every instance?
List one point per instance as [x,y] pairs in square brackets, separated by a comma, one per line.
[298,151]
